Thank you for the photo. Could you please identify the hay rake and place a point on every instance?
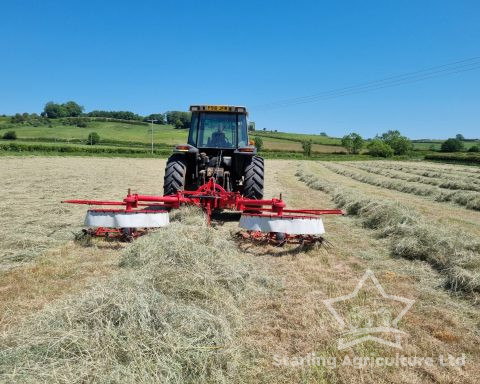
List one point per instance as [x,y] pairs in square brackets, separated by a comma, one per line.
[267,219]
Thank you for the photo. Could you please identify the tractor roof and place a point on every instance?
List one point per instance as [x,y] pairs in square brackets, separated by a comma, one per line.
[218,108]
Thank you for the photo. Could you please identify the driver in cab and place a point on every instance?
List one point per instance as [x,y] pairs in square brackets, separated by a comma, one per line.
[218,138]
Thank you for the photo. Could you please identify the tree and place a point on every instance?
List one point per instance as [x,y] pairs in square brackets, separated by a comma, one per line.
[178,124]
[10,135]
[307,148]
[324,134]
[93,138]
[452,145]
[258,143]
[353,142]
[459,136]
[73,109]
[179,119]
[160,117]
[54,111]
[347,142]
[474,148]
[400,144]
[379,148]
[69,109]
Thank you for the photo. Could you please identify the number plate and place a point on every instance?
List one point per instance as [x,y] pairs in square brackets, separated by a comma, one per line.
[219,108]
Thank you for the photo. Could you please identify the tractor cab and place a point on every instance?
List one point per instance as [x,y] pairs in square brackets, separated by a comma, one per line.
[218,127]
[218,148]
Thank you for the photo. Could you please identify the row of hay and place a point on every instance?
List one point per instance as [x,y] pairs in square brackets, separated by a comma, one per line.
[429,172]
[432,170]
[452,167]
[172,314]
[455,158]
[411,236]
[468,199]
[447,181]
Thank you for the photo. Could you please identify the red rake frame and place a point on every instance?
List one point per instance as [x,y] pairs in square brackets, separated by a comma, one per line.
[210,196]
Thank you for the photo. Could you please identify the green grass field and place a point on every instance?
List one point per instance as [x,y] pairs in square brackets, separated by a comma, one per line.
[108,131]
[139,135]
[299,137]
[118,134]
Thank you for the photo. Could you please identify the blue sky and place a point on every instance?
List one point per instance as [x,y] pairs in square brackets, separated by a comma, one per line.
[153,56]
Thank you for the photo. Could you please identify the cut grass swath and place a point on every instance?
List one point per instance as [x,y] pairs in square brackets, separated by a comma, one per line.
[451,252]
[468,199]
[425,171]
[172,314]
[446,182]
[432,170]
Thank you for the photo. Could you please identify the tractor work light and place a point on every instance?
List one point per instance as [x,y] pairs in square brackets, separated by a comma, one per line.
[246,149]
[182,148]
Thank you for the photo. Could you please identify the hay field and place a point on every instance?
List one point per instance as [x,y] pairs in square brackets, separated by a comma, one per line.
[189,304]
[33,220]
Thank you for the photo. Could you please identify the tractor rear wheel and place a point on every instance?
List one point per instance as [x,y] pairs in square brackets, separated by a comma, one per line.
[253,179]
[175,175]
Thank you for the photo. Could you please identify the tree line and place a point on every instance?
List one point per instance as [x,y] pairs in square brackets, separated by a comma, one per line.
[388,144]
[52,110]
[393,142]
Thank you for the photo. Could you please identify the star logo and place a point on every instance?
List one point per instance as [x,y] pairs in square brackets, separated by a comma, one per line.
[372,317]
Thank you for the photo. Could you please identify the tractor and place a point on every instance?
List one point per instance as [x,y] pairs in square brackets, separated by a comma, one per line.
[218,147]
[218,169]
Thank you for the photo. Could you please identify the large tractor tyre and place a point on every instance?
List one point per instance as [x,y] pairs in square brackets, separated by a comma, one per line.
[253,179]
[175,175]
